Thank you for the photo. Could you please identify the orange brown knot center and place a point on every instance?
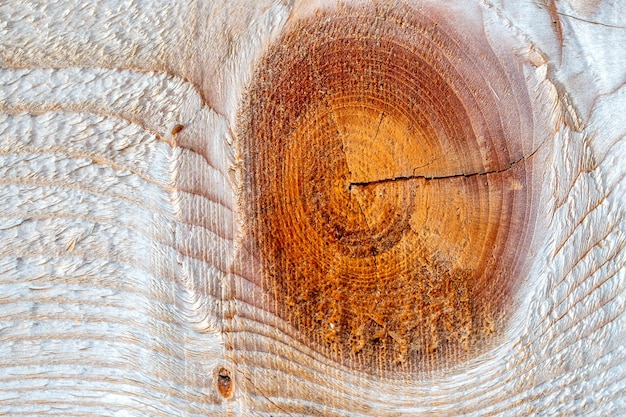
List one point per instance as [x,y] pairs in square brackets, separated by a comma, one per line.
[379,150]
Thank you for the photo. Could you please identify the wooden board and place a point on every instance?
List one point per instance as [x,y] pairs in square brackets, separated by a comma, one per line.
[309,208]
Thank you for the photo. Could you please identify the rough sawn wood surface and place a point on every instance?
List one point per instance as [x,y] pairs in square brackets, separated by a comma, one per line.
[126,287]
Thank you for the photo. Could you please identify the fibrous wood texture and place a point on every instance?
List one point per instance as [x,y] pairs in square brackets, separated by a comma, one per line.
[391,190]
[310,208]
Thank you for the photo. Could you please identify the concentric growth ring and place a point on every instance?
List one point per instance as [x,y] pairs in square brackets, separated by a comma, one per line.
[386,189]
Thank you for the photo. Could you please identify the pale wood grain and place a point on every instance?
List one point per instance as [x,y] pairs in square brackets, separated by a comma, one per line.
[123,282]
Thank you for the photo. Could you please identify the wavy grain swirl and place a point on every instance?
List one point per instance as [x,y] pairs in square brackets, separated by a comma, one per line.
[386,167]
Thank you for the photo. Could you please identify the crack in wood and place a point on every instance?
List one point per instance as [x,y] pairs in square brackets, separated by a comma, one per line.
[442,177]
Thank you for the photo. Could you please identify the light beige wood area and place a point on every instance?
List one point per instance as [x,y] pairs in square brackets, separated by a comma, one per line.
[135,277]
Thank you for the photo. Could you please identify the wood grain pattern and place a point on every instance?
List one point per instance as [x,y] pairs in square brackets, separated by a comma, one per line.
[389,184]
[129,280]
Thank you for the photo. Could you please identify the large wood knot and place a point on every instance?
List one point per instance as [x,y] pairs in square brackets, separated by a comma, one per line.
[386,185]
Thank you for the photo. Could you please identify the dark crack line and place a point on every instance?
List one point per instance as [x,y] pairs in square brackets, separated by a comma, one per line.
[580,19]
[442,177]
[380,121]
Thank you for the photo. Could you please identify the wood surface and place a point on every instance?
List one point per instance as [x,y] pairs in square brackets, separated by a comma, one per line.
[312,208]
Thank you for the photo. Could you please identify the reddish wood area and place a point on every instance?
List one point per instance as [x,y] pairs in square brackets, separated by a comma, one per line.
[388,186]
